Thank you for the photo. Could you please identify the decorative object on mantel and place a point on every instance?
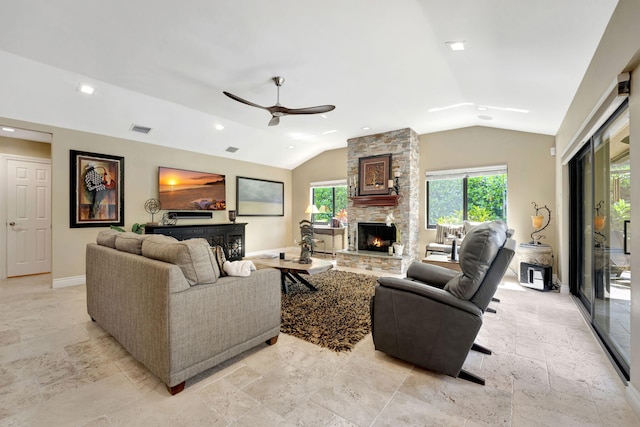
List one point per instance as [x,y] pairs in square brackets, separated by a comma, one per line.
[598,224]
[394,184]
[232,216]
[537,220]
[373,175]
[152,206]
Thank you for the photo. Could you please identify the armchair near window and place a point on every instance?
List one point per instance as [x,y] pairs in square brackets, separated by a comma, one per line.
[432,317]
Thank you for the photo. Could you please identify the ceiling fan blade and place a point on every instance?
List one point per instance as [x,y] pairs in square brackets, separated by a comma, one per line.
[275,120]
[309,110]
[244,101]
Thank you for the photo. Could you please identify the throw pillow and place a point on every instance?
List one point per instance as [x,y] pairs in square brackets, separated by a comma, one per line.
[477,252]
[220,259]
[441,233]
[239,268]
[193,256]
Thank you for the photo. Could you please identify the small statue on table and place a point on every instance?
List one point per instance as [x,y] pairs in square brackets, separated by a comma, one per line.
[306,249]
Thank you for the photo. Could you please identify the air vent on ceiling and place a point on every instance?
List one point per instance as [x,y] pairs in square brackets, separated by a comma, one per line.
[141,129]
[231,149]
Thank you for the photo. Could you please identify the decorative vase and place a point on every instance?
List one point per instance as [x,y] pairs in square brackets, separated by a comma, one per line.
[232,216]
[398,248]
[598,222]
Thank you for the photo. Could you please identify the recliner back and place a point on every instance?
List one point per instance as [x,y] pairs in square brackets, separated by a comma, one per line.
[478,252]
[494,275]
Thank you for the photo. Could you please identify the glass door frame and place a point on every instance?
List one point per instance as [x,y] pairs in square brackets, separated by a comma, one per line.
[577,225]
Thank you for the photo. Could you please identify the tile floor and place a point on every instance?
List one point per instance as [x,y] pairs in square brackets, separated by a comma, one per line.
[57,368]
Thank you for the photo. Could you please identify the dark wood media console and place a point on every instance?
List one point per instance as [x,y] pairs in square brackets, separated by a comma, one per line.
[229,236]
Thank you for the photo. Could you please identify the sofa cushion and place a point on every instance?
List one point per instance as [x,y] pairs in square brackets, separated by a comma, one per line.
[193,256]
[443,230]
[130,242]
[220,259]
[107,238]
[477,252]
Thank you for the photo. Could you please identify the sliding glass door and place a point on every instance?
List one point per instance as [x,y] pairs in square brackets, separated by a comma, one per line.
[601,213]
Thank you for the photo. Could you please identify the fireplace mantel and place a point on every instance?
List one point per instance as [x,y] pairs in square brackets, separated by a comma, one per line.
[378,200]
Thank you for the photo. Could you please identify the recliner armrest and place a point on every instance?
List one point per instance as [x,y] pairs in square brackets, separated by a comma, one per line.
[430,292]
[430,274]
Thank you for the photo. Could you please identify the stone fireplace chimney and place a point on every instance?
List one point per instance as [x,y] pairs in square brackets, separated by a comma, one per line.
[403,146]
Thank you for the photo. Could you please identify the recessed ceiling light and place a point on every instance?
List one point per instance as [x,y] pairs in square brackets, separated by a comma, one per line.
[459,45]
[324,116]
[218,126]
[481,108]
[86,89]
[329,131]
[366,128]
[8,129]
[291,147]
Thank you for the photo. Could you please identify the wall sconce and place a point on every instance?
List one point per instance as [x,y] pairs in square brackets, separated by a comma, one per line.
[394,184]
[537,220]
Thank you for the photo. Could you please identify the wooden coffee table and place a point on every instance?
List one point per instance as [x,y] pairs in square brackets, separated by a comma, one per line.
[291,269]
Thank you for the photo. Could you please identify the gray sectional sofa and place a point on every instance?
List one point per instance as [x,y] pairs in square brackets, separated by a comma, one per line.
[166,302]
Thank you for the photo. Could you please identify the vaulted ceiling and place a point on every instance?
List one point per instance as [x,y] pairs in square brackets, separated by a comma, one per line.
[384,64]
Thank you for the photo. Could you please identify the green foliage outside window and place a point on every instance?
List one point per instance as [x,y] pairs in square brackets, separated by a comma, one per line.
[486,199]
[334,199]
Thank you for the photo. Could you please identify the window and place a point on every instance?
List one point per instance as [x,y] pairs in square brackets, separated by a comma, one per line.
[478,194]
[330,199]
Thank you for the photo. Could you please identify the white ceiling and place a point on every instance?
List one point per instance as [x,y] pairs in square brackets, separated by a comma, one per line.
[384,64]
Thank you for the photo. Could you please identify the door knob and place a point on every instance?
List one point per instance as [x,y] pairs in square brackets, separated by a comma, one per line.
[12,223]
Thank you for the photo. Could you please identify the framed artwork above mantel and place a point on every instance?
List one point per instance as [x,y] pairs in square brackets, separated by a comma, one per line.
[374,173]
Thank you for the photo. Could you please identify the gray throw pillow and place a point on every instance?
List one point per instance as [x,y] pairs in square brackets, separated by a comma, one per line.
[477,252]
[193,256]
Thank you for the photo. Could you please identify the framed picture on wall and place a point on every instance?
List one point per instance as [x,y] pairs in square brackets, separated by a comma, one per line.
[373,175]
[259,197]
[96,190]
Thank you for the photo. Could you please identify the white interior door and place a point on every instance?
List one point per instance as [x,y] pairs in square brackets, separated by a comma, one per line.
[28,198]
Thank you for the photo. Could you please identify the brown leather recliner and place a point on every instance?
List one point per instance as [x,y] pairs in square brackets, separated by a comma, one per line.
[432,317]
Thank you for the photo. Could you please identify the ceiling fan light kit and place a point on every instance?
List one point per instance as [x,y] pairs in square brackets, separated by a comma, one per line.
[278,110]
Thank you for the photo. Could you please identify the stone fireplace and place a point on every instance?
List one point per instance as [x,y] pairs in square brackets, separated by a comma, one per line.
[403,145]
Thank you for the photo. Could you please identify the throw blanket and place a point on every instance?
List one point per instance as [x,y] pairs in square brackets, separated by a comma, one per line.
[238,268]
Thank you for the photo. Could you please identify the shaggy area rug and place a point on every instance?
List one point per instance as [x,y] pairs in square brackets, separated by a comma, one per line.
[336,316]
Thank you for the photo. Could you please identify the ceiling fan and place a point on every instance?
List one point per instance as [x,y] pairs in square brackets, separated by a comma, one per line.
[278,110]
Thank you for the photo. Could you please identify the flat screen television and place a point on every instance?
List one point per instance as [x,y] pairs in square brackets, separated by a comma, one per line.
[181,189]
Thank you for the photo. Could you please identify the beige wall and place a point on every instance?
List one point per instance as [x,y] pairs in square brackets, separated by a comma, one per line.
[328,166]
[530,168]
[141,170]
[531,175]
[21,147]
[619,51]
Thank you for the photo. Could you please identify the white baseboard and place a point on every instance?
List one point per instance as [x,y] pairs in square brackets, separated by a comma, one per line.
[68,281]
[633,397]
